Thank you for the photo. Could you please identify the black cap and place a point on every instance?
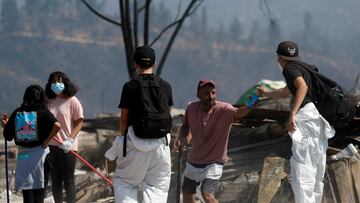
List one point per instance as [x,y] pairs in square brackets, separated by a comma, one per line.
[288,50]
[144,56]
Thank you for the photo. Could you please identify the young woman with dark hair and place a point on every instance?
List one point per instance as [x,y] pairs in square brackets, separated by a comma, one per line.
[56,78]
[32,126]
[69,112]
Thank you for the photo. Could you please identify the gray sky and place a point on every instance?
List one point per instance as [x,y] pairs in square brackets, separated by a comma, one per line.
[333,16]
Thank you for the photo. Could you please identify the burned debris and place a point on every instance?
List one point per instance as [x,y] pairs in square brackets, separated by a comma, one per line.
[258,169]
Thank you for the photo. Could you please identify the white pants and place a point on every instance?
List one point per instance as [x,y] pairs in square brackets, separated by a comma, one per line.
[308,161]
[150,170]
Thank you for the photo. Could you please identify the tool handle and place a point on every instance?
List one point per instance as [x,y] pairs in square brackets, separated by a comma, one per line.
[86,162]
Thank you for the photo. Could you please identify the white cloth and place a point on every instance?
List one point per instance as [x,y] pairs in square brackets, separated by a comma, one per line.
[211,171]
[147,164]
[67,145]
[308,161]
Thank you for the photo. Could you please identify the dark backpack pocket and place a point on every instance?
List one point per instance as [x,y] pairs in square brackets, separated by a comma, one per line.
[152,118]
[336,108]
[154,126]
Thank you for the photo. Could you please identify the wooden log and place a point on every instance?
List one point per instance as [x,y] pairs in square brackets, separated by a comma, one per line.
[270,180]
[342,180]
[355,173]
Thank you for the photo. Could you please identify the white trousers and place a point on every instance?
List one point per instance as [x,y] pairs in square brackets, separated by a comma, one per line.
[308,161]
[150,170]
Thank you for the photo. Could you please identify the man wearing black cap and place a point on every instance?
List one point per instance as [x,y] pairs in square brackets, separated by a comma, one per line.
[308,129]
[207,123]
[142,151]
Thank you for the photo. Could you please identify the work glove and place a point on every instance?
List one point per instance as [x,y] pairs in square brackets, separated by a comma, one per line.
[116,148]
[67,144]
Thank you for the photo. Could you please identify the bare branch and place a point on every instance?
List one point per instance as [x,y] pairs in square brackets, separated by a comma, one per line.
[128,22]
[127,40]
[267,13]
[178,11]
[130,38]
[141,8]
[146,22]
[194,8]
[163,31]
[267,10]
[175,32]
[135,23]
[173,24]
[99,14]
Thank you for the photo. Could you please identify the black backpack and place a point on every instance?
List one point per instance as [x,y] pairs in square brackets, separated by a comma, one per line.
[152,117]
[329,97]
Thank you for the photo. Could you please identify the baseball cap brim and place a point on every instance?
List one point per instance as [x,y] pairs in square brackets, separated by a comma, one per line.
[202,83]
[295,58]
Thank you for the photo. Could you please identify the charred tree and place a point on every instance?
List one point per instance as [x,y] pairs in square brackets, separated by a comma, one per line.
[129,23]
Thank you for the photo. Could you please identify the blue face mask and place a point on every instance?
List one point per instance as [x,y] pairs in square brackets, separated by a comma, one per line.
[57,88]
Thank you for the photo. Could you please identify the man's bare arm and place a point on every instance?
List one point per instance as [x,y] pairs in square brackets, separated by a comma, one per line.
[124,121]
[301,90]
[184,137]
[241,112]
[277,94]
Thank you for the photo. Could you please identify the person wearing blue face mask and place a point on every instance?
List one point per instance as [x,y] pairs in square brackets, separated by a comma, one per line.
[68,110]
[57,87]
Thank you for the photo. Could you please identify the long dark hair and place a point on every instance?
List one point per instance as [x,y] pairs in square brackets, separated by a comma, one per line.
[70,88]
[34,99]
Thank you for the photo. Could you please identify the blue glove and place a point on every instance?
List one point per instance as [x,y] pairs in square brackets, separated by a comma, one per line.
[252,101]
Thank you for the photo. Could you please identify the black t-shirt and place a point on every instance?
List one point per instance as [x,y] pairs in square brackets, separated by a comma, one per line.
[29,128]
[130,98]
[290,73]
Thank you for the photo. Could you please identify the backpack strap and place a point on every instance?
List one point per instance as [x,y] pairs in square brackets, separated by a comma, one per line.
[124,145]
[322,84]
[310,68]
[166,141]
[142,83]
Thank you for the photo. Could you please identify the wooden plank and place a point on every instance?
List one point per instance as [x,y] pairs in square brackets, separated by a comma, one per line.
[343,180]
[270,179]
[355,172]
